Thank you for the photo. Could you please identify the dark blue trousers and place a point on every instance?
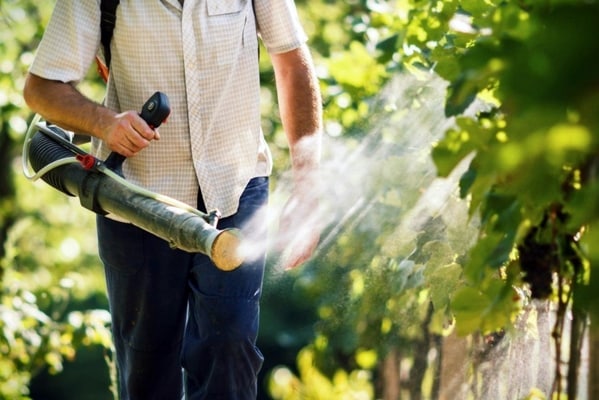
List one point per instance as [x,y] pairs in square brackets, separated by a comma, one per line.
[177,320]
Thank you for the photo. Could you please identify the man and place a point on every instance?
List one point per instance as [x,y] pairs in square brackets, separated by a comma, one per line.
[171,309]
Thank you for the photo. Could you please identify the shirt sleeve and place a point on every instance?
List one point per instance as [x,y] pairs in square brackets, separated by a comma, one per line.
[70,42]
[279,25]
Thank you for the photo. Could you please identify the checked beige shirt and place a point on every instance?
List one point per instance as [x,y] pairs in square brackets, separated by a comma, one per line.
[204,56]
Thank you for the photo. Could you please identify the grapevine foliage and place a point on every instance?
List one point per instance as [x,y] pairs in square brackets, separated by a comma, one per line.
[532,149]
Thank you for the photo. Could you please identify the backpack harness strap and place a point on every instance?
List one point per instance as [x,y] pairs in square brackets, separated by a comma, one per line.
[107,23]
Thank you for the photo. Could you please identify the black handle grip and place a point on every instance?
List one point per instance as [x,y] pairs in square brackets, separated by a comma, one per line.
[154,111]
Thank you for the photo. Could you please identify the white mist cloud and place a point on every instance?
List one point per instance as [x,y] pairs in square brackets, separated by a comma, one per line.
[390,165]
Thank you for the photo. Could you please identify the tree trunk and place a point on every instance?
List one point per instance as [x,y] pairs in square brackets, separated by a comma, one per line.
[577,329]
[420,354]
[593,378]
[454,364]
[391,382]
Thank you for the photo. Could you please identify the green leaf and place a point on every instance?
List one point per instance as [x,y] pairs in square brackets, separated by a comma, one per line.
[461,94]
[443,281]
[468,306]
[466,181]
[488,309]
[450,150]
[387,48]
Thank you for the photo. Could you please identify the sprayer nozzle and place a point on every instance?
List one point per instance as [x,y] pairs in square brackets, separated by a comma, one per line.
[225,250]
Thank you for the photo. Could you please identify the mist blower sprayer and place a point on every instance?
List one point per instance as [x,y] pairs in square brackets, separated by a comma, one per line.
[101,188]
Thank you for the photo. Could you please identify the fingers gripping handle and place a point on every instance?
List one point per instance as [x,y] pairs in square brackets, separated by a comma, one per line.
[155,111]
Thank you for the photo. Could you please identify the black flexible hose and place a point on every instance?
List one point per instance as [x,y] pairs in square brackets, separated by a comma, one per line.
[42,151]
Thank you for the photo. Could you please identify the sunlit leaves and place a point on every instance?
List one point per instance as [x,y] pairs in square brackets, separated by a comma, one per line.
[356,75]
[442,281]
[451,150]
[37,294]
[565,141]
[538,157]
[486,309]
[529,147]
[313,384]
[357,71]
[31,340]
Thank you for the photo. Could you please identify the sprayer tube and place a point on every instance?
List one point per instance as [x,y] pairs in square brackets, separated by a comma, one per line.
[182,229]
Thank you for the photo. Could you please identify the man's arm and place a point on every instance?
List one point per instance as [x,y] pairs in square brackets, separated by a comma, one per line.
[62,104]
[300,106]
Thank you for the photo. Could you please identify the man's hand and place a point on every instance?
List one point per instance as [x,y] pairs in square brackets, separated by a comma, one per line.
[299,228]
[128,134]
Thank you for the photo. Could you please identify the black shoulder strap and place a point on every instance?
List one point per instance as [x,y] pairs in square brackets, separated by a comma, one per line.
[107,22]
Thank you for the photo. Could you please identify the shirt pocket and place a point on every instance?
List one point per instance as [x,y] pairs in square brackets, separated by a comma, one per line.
[224,7]
[228,32]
